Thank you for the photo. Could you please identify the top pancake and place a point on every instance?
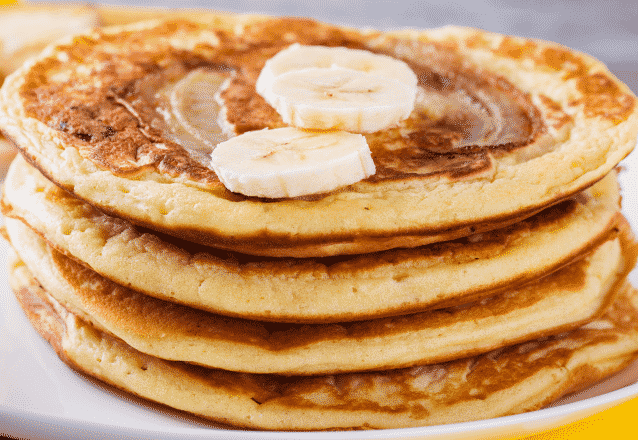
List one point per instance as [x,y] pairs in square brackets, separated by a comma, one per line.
[509,126]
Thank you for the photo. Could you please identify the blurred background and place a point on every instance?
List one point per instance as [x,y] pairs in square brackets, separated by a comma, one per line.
[606,29]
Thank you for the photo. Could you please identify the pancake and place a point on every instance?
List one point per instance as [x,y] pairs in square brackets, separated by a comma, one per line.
[324,290]
[520,378]
[512,126]
[561,301]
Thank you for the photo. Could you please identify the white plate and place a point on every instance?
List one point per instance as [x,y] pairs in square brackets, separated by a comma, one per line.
[41,398]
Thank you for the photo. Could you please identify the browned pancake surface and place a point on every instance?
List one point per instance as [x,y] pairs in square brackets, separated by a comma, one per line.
[111,114]
[470,158]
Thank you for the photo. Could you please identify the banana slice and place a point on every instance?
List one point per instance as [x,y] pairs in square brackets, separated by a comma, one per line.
[289,162]
[336,88]
[194,109]
[298,57]
[337,98]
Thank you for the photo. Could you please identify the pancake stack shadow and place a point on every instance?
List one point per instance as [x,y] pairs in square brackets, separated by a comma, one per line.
[496,317]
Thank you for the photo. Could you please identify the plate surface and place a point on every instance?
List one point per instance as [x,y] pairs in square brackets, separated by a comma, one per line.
[40,397]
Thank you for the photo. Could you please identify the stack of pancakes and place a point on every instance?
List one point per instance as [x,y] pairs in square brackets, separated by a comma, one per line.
[480,272]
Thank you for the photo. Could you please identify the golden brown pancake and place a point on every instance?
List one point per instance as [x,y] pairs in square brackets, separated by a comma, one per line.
[520,378]
[340,289]
[524,124]
[560,301]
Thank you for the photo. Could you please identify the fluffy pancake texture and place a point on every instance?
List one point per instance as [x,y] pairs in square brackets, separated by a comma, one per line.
[503,128]
[314,290]
[563,300]
[517,379]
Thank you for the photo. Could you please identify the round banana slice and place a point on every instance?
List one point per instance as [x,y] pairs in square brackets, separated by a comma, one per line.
[298,57]
[289,162]
[337,98]
[195,109]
